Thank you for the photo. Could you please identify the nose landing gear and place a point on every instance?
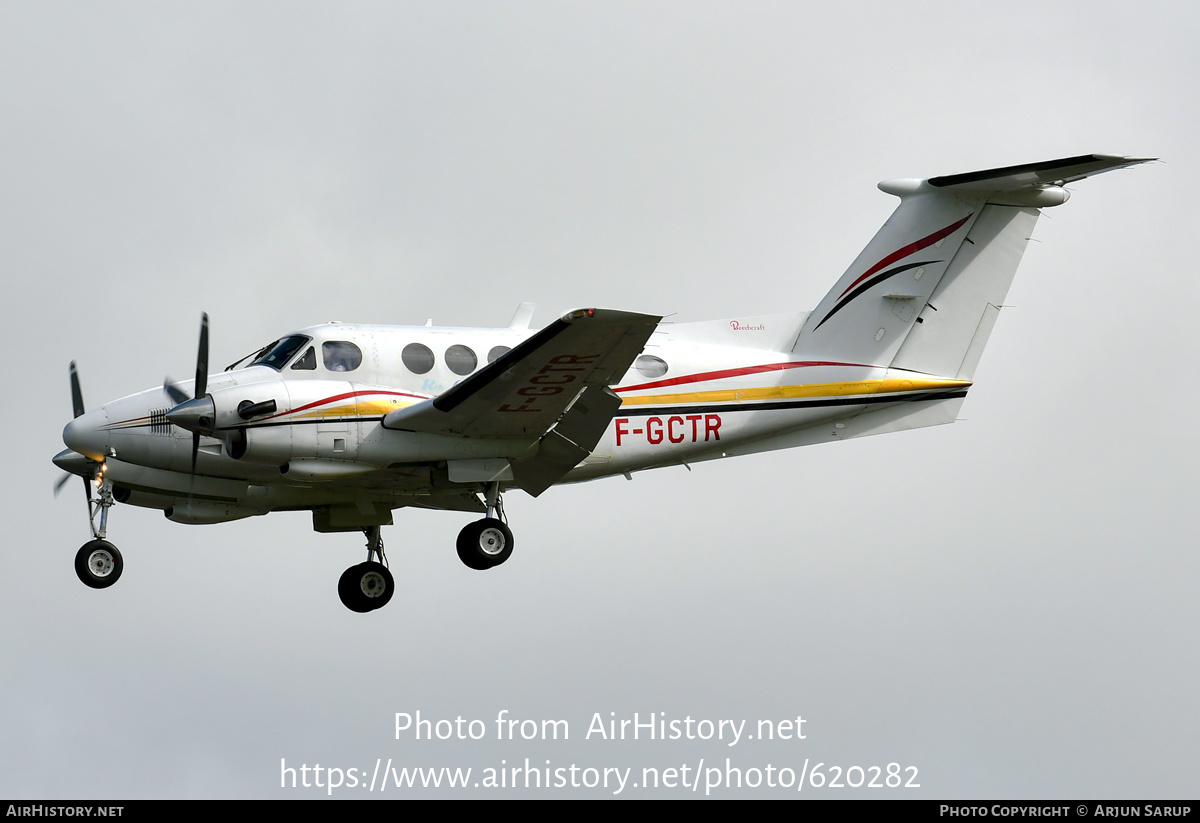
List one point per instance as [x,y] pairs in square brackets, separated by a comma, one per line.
[98,563]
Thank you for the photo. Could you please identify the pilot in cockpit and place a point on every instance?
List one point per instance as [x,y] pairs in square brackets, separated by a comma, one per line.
[341,355]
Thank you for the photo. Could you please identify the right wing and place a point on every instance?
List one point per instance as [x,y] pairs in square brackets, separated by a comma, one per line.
[525,391]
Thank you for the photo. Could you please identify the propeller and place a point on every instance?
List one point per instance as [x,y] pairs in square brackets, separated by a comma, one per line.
[63,481]
[68,457]
[197,414]
[76,392]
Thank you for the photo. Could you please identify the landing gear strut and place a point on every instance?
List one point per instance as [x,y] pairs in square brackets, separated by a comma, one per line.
[98,563]
[368,586]
[486,543]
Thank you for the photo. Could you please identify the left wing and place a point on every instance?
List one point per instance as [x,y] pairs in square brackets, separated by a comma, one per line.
[525,391]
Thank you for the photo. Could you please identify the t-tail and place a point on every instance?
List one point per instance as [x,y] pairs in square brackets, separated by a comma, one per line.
[925,292]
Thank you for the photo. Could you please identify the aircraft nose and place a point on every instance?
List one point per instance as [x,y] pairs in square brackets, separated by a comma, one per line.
[85,435]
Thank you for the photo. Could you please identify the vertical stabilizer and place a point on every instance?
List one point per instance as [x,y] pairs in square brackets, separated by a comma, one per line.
[868,313]
[926,291]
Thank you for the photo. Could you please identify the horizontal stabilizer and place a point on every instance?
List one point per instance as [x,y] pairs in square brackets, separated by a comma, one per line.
[1047,172]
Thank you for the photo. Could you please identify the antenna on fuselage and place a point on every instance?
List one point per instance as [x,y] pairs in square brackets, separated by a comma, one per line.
[522,317]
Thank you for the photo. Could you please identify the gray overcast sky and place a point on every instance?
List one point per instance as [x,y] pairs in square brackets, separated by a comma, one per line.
[1007,604]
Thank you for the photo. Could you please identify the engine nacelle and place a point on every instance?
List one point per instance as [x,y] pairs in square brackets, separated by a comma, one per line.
[195,512]
[318,470]
[146,500]
[289,422]
[269,445]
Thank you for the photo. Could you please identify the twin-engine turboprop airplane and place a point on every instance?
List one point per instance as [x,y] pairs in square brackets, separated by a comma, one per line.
[352,422]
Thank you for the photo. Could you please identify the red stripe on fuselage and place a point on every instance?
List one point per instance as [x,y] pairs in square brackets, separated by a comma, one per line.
[725,373]
[345,396]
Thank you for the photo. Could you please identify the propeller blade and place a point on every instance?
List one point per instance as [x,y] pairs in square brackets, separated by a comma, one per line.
[78,409]
[173,391]
[190,416]
[202,359]
[195,451]
[76,392]
[179,396]
[87,486]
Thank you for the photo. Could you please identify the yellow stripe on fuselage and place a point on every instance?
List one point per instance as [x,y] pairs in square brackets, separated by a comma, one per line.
[890,385]
[368,408]
[347,410]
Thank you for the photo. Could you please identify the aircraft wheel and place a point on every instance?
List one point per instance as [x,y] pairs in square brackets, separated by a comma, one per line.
[484,544]
[366,587]
[98,564]
[467,551]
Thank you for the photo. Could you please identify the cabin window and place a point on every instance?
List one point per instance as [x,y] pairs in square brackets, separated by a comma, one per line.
[650,367]
[497,351]
[417,358]
[461,360]
[306,361]
[341,355]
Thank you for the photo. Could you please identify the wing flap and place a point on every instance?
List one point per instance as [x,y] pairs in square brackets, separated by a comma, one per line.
[566,445]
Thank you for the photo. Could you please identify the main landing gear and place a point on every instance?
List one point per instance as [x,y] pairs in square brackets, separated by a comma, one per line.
[486,543]
[368,586]
[482,545]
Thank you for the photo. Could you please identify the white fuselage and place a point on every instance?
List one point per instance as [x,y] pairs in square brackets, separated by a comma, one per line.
[698,391]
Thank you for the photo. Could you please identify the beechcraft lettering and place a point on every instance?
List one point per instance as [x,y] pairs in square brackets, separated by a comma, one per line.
[353,422]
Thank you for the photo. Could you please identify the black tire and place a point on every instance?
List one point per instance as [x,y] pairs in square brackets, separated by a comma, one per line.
[484,544]
[99,564]
[467,552]
[366,587]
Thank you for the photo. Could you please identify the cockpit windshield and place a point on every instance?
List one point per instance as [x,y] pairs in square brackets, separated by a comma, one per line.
[276,355]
